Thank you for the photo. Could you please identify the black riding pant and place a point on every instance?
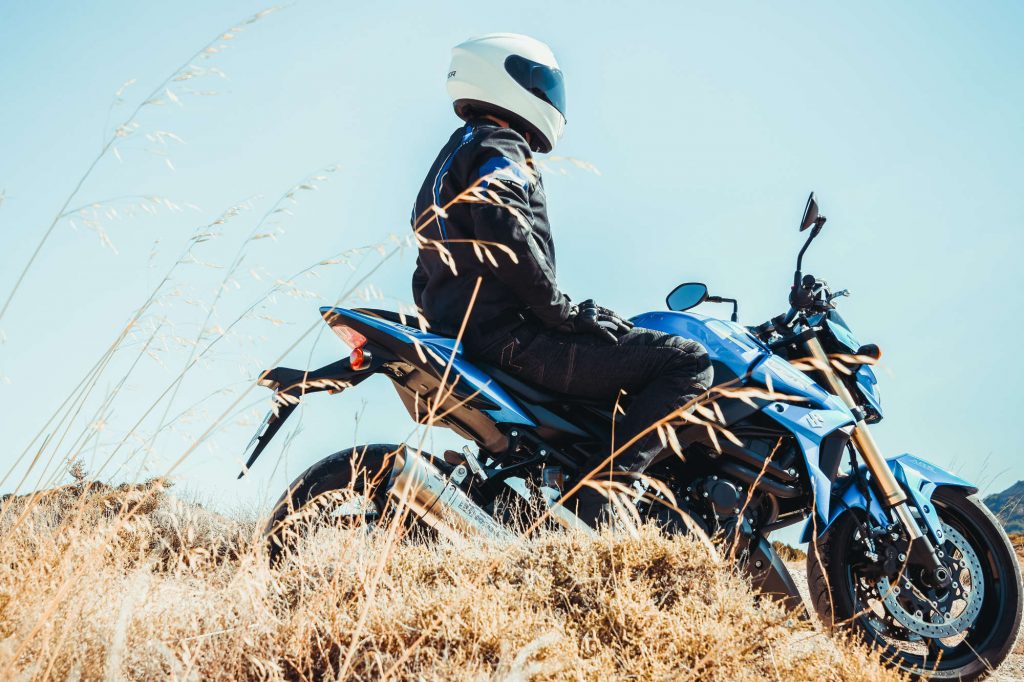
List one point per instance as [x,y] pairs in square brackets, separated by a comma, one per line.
[660,372]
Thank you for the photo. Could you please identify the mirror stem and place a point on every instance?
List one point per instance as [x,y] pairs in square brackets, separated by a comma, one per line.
[735,305]
[800,257]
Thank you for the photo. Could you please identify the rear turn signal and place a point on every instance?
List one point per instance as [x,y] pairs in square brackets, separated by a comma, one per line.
[359,359]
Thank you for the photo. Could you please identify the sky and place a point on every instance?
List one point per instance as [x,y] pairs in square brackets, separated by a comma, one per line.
[707,124]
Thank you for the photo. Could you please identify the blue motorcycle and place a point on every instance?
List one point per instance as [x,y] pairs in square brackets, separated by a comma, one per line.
[902,552]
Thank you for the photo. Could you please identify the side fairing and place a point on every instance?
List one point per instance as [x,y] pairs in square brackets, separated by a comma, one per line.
[867,382]
[814,420]
[811,427]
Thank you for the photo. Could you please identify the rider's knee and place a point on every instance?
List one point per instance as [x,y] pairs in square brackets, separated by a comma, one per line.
[693,359]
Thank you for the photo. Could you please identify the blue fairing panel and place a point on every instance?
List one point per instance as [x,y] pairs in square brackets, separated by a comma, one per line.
[786,379]
[868,385]
[811,426]
[440,350]
[842,333]
[917,477]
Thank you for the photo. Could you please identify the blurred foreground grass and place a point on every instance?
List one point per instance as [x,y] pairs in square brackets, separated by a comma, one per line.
[131,582]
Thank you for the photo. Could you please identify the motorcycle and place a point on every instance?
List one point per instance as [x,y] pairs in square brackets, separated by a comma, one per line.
[901,552]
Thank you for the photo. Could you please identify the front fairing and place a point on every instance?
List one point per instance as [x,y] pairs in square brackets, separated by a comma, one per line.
[841,339]
[841,331]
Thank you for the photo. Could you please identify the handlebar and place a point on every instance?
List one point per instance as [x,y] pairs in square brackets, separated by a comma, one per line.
[780,324]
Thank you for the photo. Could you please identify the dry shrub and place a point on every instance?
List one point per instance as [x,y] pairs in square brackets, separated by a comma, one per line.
[788,553]
[1017,540]
[182,592]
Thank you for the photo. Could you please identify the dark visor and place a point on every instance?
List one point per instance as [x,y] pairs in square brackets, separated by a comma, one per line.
[544,82]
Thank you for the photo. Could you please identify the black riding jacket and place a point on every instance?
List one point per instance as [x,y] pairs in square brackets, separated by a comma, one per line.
[510,211]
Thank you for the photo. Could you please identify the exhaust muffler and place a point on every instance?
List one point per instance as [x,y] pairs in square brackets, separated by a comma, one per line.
[438,502]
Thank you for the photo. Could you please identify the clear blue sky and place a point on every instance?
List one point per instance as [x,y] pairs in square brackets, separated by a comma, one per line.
[709,123]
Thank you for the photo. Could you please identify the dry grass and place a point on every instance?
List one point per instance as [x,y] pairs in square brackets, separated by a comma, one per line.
[93,590]
[1017,540]
[788,553]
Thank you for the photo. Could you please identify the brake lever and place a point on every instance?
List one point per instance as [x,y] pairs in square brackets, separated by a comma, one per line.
[839,294]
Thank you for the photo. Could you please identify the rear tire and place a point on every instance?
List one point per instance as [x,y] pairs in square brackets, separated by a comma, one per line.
[991,636]
[363,470]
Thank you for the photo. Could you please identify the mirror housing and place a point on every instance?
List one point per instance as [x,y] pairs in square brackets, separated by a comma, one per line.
[811,215]
[686,296]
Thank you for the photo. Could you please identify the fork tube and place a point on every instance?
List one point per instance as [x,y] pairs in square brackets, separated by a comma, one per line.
[892,494]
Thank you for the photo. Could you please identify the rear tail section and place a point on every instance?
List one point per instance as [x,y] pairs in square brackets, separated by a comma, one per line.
[435,382]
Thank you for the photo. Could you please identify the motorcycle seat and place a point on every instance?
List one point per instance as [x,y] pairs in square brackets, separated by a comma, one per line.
[533,393]
[516,386]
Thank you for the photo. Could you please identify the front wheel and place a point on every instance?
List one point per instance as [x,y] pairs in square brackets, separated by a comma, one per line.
[960,632]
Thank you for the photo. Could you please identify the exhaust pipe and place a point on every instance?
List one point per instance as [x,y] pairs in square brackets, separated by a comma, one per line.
[438,502]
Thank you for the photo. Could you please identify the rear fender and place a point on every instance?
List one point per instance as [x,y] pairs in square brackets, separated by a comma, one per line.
[291,385]
[918,478]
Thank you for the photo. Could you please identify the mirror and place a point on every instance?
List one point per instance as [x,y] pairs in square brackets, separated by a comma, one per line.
[810,213]
[686,296]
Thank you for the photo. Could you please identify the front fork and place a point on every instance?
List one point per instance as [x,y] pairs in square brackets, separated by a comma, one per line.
[892,494]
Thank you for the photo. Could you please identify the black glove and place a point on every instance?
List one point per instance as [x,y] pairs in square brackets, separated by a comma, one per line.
[619,325]
[590,318]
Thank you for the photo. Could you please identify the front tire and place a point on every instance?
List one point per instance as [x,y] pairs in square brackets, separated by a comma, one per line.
[838,594]
[315,496]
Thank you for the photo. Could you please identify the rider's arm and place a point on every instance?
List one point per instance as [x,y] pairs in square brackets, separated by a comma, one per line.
[502,168]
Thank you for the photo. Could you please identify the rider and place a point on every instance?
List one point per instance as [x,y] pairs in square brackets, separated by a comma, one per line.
[481,202]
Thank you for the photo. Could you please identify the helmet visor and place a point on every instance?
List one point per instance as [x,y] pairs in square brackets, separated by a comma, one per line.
[543,81]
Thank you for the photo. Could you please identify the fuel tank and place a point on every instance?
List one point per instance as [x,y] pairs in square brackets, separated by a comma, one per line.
[737,354]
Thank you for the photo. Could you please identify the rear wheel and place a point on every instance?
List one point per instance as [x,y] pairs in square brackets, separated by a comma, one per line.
[346,487]
[959,632]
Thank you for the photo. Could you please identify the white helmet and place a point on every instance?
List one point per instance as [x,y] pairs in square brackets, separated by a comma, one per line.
[514,77]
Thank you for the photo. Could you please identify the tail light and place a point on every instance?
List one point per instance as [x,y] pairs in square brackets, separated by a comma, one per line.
[349,336]
[359,358]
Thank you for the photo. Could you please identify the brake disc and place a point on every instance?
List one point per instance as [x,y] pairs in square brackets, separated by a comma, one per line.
[930,613]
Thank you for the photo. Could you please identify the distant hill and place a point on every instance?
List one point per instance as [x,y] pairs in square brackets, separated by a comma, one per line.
[1009,507]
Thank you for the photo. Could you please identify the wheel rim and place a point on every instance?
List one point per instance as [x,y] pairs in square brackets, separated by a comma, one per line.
[918,644]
